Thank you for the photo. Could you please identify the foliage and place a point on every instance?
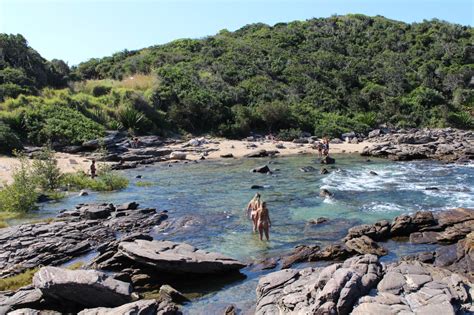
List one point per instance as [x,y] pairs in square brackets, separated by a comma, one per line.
[106,180]
[289,134]
[24,71]
[59,124]
[325,75]
[46,171]
[9,141]
[21,195]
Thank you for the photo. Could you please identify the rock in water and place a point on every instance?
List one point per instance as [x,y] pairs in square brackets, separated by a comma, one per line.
[178,258]
[262,169]
[328,160]
[306,169]
[325,193]
[87,288]
[323,171]
[365,245]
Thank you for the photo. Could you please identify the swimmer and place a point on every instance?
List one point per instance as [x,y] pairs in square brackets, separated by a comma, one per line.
[263,221]
[252,208]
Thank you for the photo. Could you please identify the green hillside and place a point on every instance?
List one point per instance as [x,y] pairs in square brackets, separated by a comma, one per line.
[324,76]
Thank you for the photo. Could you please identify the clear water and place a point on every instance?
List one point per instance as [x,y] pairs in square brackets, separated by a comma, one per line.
[214,194]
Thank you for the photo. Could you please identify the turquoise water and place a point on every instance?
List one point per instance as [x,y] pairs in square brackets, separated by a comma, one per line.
[213,195]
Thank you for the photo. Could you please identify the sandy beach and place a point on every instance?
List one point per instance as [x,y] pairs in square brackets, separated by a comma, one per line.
[216,147]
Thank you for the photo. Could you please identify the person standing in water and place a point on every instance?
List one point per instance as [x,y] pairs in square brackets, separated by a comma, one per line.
[263,221]
[252,208]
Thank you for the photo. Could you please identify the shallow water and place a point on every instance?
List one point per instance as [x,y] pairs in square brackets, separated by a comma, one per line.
[215,194]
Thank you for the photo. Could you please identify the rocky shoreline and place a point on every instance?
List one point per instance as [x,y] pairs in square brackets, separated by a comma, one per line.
[129,263]
[448,144]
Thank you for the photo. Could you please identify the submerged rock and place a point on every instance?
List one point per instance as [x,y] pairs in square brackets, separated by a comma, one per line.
[262,169]
[327,160]
[325,193]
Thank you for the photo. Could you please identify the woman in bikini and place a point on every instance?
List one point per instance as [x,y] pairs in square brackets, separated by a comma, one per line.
[263,221]
[252,208]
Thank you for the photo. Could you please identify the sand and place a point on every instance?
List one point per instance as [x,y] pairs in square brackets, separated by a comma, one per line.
[69,163]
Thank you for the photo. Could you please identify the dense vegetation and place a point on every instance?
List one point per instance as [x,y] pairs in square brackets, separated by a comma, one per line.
[323,76]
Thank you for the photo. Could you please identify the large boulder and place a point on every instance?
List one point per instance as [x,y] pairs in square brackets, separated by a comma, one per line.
[178,258]
[330,290]
[87,288]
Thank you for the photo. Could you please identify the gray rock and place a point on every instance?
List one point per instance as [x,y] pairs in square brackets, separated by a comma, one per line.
[330,290]
[142,307]
[365,245]
[262,169]
[177,258]
[88,288]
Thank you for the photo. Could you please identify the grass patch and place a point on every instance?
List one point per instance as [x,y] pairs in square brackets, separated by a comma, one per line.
[144,184]
[75,266]
[17,281]
[6,216]
[106,181]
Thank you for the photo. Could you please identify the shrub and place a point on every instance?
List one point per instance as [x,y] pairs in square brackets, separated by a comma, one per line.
[106,180]
[21,195]
[130,118]
[59,124]
[9,141]
[289,134]
[462,120]
[45,170]
[100,90]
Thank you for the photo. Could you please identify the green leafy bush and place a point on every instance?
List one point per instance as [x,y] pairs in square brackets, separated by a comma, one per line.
[9,141]
[58,124]
[46,171]
[289,134]
[21,195]
[462,120]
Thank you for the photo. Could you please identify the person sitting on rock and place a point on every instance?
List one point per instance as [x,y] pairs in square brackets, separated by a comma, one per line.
[263,221]
[252,208]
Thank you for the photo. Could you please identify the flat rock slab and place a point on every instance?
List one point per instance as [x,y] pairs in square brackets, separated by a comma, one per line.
[142,307]
[88,288]
[177,258]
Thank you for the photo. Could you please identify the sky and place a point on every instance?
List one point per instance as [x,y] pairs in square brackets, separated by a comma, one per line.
[77,30]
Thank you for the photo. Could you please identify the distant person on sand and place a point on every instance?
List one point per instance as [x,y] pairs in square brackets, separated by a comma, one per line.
[252,208]
[93,169]
[263,221]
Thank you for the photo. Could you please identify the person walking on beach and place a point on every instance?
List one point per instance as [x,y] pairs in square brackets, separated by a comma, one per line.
[252,208]
[93,169]
[263,221]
